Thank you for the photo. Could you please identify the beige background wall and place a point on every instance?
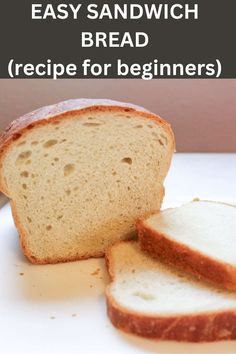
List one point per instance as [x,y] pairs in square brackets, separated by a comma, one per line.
[202,112]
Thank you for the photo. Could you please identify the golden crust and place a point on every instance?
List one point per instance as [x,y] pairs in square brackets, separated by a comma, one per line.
[201,327]
[160,246]
[204,327]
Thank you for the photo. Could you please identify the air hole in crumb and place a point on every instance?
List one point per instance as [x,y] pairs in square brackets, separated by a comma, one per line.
[24,186]
[76,188]
[144,296]
[68,169]
[50,143]
[92,124]
[90,118]
[150,126]
[24,196]
[48,227]
[28,162]
[63,141]
[114,173]
[34,142]
[23,156]
[139,126]
[128,188]
[160,142]
[127,160]
[45,155]
[42,198]
[56,159]
[22,143]
[164,138]
[68,192]
[24,174]
[29,219]
[59,217]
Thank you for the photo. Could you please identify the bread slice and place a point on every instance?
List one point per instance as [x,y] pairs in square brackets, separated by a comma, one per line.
[199,237]
[80,173]
[151,300]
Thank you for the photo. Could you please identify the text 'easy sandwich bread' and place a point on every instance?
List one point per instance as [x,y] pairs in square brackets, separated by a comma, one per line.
[80,173]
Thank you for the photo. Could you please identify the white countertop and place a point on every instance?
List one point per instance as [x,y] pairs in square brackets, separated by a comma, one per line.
[61,308]
[206,176]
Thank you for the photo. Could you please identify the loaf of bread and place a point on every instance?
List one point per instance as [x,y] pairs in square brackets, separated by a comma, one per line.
[149,299]
[80,173]
[198,237]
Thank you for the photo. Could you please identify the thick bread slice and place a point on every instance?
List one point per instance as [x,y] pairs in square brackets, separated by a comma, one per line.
[149,299]
[80,173]
[199,237]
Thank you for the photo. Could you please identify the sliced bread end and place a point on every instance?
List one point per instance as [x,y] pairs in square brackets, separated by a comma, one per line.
[198,237]
[148,299]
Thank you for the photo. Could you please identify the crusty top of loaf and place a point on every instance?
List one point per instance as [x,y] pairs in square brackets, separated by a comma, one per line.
[49,112]
[62,109]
